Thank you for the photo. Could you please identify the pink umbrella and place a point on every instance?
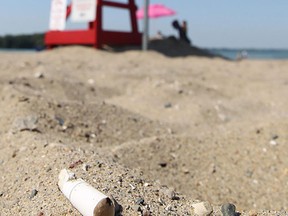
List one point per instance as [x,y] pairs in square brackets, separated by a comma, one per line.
[154,11]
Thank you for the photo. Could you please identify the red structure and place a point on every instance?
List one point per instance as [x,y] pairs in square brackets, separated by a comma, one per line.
[95,35]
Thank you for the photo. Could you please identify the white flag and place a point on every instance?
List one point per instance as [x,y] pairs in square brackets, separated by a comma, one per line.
[58,15]
[83,10]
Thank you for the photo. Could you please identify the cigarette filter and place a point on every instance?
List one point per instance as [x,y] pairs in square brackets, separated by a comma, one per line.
[86,199]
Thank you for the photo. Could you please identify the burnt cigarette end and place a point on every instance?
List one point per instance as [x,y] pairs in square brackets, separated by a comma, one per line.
[104,208]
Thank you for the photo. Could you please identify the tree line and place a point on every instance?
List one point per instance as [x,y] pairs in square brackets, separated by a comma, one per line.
[24,41]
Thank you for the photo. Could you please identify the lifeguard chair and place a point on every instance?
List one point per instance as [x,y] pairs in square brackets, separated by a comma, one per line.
[95,35]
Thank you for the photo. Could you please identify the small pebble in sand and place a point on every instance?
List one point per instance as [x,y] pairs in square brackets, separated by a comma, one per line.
[28,123]
[168,105]
[248,173]
[85,167]
[273,142]
[90,81]
[146,184]
[170,193]
[140,201]
[161,201]
[33,193]
[228,209]
[132,186]
[14,154]
[212,168]
[185,170]
[162,164]
[39,75]
[23,99]
[168,208]
[202,209]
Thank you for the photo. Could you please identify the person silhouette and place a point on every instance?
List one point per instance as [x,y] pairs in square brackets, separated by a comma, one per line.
[182,30]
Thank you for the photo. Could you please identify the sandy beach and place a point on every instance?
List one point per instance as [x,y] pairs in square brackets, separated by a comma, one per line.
[157,133]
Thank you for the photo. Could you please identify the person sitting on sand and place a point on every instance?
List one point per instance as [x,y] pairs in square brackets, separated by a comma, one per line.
[182,30]
[159,35]
[184,27]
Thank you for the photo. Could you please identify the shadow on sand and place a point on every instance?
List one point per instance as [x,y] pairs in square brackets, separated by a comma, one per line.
[170,47]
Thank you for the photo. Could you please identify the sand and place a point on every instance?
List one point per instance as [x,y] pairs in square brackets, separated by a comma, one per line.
[147,126]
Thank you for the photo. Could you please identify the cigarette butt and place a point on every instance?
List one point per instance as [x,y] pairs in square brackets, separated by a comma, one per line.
[86,199]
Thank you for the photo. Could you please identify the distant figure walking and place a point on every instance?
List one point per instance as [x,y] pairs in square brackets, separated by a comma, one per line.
[242,55]
[182,30]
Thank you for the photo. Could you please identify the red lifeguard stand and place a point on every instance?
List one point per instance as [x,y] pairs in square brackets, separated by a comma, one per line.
[95,35]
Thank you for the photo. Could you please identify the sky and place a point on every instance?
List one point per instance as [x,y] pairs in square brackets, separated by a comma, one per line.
[211,23]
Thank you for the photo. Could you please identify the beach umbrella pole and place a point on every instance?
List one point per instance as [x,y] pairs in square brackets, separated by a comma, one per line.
[146,26]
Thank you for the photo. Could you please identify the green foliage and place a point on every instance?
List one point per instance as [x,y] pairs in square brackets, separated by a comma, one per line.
[22,41]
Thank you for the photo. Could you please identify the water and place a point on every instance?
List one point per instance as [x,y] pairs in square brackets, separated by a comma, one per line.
[228,53]
[253,53]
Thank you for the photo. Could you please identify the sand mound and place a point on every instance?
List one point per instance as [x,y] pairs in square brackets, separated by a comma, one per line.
[170,47]
[158,133]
